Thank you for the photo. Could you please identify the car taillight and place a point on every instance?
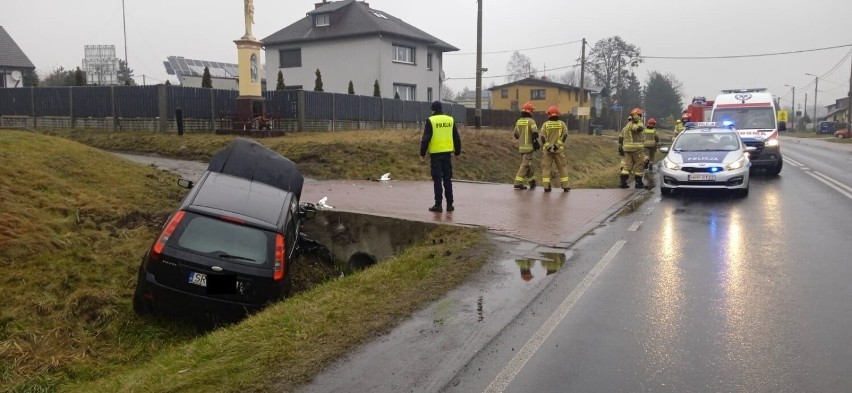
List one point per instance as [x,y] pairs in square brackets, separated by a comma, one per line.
[164,236]
[278,273]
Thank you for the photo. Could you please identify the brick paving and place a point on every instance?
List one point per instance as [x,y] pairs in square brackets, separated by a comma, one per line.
[554,218]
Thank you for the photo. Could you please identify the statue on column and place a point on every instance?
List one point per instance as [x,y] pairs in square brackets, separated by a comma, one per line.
[249,10]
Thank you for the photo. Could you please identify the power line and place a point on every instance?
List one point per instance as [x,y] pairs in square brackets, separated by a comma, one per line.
[743,56]
[503,76]
[513,50]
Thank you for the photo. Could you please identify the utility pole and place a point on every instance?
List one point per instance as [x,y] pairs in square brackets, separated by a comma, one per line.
[816,91]
[124,23]
[849,101]
[478,111]
[806,107]
[583,124]
[794,106]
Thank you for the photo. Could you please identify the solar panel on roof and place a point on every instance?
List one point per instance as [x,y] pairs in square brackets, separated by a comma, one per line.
[183,66]
[208,65]
[169,69]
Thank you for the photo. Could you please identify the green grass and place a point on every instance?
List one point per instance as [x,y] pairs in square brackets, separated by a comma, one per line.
[488,155]
[806,134]
[74,223]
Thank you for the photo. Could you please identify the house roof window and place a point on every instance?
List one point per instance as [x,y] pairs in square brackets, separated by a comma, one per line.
[322,20]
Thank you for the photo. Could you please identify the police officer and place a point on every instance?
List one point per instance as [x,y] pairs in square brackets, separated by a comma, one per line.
[630,145]
[526,132]
[554,133]
[441,139]
[650,140]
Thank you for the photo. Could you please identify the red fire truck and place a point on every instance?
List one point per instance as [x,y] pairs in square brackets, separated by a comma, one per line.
[700,109]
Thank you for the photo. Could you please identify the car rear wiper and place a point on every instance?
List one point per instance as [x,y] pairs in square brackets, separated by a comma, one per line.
[228,256]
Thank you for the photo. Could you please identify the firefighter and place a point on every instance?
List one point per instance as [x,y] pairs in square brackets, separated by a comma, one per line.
[630,145]
[526,132]
[679,127]
[650,140]
[554,132]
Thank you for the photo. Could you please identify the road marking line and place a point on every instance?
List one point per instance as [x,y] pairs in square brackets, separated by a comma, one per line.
[514,367]
[792,161]
[635,226]
[804,168]
[827,181]
[836,182]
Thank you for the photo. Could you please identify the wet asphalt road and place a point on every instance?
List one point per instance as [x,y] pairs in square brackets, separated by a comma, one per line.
[699,293]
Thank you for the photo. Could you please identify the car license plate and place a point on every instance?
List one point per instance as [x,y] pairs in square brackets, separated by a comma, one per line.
[199,279]
[701,177]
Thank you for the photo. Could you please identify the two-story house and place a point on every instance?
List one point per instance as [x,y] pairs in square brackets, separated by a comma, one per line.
[13,62]
[540,92]
[349,41]
[837,111]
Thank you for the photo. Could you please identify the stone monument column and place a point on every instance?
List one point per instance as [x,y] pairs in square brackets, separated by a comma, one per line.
[250,102]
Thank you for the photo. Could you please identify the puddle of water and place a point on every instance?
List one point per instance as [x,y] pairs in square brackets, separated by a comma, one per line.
[544,264]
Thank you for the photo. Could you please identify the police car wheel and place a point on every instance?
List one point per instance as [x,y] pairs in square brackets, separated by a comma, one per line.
[664,191]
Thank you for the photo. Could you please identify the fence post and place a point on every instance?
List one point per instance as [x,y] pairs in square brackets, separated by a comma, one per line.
[300,108]
[383,111]
[333,110]
[358,97]
[112,100]
[164,107]
[212,110]
[32,107]
[71,106]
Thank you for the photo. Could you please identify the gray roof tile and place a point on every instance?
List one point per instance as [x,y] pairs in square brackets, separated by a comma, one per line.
[352,18]
[11,54]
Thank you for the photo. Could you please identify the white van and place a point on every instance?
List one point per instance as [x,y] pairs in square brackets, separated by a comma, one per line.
[753,114]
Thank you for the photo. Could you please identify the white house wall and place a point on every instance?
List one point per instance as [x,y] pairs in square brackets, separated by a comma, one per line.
[361,60]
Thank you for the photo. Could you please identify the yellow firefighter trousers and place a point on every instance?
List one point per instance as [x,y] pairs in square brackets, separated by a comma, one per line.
[650,152]
[547,161]
[632,162]
[527,171]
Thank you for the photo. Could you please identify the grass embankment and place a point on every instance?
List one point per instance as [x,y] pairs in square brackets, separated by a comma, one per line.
[488,155]
[74,223]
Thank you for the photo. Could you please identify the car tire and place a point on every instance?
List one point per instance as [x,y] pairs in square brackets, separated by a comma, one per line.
[141,306]
[776,170]
[665,191]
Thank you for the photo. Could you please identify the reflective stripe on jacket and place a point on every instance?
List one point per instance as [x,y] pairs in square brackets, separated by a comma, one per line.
[649,137]
[442,134]
[551,132]
[632,137]
[524,128]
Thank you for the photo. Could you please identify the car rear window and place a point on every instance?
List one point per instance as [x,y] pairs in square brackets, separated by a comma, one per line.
[216,237]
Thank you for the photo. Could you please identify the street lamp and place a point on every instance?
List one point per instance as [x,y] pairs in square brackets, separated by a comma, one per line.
[816,86]
[794,107]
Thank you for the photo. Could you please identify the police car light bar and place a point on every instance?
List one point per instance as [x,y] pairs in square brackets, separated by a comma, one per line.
[709,124]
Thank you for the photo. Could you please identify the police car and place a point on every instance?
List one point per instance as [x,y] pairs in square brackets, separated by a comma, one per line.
[706,155]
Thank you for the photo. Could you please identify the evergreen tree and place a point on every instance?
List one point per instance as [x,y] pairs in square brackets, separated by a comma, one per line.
[79,77]
[318,83]
[351,88]
[168,83]
[31,79]
[206,79]
[376,91]
[396,95]
[125,74]
[280,84]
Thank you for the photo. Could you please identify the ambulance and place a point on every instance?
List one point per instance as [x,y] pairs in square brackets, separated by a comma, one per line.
[754,115]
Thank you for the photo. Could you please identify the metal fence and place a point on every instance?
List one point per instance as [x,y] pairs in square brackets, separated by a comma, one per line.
[155,107]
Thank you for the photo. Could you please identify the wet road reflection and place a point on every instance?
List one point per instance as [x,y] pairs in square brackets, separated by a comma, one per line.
[549,263]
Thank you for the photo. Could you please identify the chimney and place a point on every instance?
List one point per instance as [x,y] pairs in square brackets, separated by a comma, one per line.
[318,5]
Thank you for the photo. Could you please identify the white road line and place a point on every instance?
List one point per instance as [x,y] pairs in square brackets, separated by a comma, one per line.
[635,226]
[836,182]
[828,181]
[514,367]
[804,168]
[792,161]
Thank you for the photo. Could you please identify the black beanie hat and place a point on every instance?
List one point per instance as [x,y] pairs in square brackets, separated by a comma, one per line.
[436,106]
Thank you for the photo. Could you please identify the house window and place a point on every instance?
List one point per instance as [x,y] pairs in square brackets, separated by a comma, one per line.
[429,94]
[403,54]
[537,94]
[290,58]
[504,93]
[429,62]
[515,106]
[322,19]
[405,92]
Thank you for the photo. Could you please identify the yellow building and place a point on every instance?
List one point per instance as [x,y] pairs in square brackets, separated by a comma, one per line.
[541,93]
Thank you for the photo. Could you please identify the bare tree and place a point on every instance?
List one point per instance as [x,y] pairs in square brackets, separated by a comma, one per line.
[567,77]
[519,67]
[609,62]
[447,93]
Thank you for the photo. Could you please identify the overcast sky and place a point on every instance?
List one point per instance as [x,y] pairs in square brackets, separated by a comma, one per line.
[53,32]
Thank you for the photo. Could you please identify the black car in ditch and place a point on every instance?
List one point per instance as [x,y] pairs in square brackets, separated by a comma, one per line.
[229,249]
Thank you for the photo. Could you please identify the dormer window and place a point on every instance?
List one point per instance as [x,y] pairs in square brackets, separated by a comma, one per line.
[321,20]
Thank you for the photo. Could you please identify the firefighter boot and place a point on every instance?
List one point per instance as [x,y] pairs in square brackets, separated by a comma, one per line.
[532,184]
[639,183]
[520,187]
[624,182]
[437,208]
[450,206]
